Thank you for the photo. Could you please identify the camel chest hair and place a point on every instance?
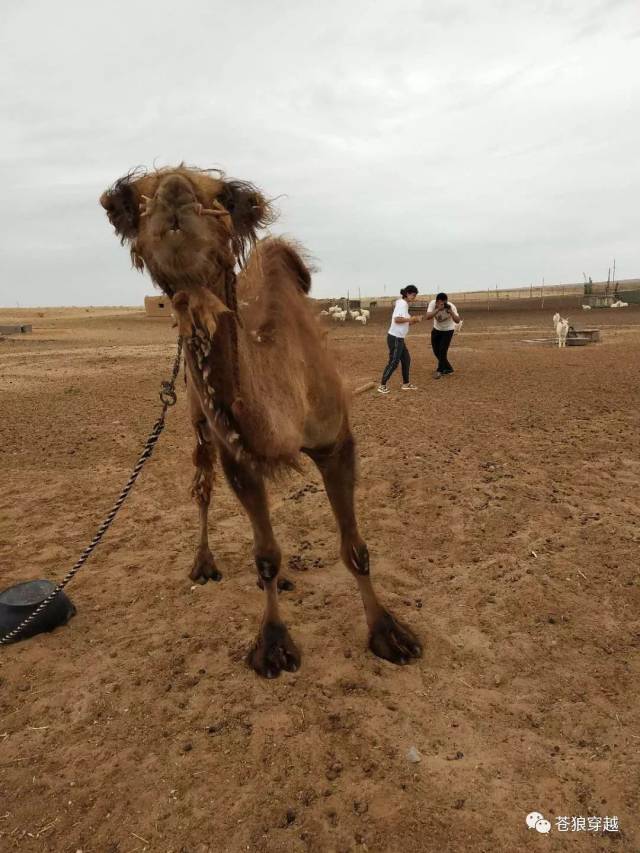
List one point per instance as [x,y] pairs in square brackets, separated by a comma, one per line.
[217,403]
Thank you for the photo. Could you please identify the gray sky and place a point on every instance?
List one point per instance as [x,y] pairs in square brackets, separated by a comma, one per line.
[454,145]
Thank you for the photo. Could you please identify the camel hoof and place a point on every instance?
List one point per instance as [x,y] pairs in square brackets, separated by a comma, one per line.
[393,641]
[204,567]
[273,651]
[283,584]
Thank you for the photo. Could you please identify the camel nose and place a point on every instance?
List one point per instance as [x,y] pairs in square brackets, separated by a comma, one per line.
[176,191]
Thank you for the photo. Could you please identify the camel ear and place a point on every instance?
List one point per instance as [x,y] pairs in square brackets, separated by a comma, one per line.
[249,211]
[122,203]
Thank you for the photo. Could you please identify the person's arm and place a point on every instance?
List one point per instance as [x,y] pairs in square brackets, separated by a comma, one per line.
[410,320]
[455,316]
[433,311]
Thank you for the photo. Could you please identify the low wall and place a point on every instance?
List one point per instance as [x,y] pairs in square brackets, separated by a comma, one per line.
[158,306]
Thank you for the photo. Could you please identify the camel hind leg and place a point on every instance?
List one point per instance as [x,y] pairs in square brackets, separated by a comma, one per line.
[204,456]
[388,638]
[273,650]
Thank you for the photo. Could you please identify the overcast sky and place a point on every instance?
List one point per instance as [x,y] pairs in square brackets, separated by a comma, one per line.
[454,145]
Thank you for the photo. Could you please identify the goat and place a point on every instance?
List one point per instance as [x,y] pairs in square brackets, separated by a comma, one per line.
[562,328]
[586,307]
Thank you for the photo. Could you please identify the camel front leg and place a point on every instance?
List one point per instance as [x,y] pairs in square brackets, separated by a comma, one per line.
[204,457]
[388,638]
[273,650]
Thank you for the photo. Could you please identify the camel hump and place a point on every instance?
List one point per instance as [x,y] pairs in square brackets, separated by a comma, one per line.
[275,251]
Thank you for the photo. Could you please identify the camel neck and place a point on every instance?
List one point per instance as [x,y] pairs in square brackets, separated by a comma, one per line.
[224,359]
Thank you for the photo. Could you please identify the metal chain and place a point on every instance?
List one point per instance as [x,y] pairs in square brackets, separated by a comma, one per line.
[168,398]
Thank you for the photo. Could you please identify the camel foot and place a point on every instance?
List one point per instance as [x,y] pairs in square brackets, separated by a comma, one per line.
[204,567]
[393,641]
[283,584]
[273,651]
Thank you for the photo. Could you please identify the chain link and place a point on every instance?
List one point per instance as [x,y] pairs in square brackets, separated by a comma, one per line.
[168,398]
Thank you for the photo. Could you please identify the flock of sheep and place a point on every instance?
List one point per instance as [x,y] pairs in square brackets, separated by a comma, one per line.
[340,315]
[617,304]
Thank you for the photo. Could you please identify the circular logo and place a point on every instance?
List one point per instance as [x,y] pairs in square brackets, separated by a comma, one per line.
[537,821]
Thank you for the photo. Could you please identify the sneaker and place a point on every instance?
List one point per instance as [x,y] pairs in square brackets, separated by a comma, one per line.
[382,389]
[437,375]
[409,387]
[447,372]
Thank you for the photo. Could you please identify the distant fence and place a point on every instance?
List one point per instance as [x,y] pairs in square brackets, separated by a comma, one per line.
[609,290]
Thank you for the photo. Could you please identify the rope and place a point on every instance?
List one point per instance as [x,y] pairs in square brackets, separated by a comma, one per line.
[168,398]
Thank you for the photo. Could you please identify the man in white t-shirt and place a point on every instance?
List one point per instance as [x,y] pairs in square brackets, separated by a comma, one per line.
[445,315]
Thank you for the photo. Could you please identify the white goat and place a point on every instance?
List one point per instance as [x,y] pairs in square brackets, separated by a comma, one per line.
[324,313]
[339,316]
[365,313]
[361,319]
[619,304]
[586,307]
[457,327]
[562,328]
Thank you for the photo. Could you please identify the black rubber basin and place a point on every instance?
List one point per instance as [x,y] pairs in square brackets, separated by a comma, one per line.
[18,602]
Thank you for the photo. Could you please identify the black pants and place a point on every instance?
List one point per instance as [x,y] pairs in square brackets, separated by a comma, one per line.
[440,345]
[398,354]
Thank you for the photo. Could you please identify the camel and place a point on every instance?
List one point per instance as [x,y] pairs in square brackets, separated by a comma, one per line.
[261,386]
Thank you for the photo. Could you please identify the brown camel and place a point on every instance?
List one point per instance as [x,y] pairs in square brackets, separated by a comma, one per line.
[261,386]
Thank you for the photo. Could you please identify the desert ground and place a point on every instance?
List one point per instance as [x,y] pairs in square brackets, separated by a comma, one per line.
[502,510]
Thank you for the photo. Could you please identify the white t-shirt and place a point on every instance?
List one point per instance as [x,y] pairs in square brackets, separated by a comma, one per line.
[442,321]
[400,309]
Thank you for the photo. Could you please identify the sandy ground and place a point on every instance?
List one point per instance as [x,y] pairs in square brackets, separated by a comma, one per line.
[502,510]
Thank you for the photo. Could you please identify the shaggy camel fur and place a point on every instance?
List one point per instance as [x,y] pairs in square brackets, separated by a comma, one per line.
[261,385]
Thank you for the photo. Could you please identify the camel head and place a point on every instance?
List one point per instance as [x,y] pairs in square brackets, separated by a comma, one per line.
[185,225]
